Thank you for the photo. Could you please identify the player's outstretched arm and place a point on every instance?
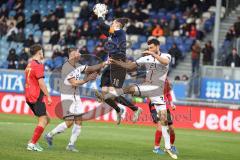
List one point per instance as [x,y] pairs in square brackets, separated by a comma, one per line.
[95,68]
[162,59]
[127,65]
[77,83]
[44,89]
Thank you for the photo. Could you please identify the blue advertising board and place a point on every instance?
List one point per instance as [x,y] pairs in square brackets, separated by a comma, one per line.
[222,90]
[14,81]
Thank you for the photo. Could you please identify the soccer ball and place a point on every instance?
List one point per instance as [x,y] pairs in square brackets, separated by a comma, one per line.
[100,9]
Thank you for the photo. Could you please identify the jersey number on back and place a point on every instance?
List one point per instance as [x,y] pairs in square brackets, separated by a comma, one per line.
[28,71]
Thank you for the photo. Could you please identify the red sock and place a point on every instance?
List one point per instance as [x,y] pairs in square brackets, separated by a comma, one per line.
[37,134]
[172,137]
[158,136]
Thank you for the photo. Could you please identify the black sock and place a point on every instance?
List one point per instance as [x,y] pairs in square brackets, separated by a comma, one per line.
[113,104]
[126,103]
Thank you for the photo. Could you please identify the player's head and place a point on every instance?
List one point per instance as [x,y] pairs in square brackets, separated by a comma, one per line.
[153,45]
[73,53]
[119,23]
[37,51]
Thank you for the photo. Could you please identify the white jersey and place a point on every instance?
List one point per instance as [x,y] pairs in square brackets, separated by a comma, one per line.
[156,74]
[70,95]
[69,72]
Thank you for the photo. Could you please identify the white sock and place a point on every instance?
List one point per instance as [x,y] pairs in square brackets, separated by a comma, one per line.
[115,93]
[156,147]
[57,130]
[166,137]
[76,130]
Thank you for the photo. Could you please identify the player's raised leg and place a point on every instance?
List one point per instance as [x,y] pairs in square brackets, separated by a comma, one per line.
[57,130]
[137,110]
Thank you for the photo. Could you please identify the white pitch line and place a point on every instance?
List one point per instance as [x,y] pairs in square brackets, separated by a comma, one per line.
[96,126]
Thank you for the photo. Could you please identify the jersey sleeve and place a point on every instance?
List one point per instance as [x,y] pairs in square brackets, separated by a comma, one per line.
[167,56]
[70,75]
[140,61]
[39,71]
[81,68]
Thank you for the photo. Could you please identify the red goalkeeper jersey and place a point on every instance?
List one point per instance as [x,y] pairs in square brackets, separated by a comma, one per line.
[33,72]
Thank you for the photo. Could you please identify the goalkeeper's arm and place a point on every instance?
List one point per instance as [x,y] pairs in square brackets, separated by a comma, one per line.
[103,27]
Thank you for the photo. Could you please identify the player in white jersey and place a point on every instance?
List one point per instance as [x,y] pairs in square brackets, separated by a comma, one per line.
[70,97]
[157,65]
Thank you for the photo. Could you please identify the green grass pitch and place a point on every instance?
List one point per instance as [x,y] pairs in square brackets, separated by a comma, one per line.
[106,141]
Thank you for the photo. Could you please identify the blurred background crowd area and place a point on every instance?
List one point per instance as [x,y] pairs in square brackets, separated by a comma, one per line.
[179,25]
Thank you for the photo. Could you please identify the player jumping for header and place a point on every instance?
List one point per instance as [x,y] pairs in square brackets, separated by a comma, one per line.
[113,75]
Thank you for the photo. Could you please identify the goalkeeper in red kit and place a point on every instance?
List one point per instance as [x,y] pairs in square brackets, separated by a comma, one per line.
[158,133]
[35,89]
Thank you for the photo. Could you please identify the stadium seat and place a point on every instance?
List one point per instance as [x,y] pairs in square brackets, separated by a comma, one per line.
[151,37]
[176,33]
[62,21]
[48,54]
[163,48]
[142,38]
[46,33]
[135,45]
[162,40]
[170,40]
[137,53]
[133,38]
[56,47]
[190,20]
[62,28]
[45,40]
[178,40]
[206,15]
[69,15]
[47,47]
[81,43]
[76,9]
[129,52]
[76,15]
[70,22]
[144,46]
[12,13]
[57,62]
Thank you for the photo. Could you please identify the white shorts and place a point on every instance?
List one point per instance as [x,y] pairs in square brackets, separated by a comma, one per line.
[153,92]
[160,107]
[71,105]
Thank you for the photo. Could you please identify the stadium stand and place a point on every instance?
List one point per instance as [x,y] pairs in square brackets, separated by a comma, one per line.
[57,24]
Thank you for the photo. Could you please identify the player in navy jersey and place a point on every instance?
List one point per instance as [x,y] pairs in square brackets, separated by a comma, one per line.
[113,76]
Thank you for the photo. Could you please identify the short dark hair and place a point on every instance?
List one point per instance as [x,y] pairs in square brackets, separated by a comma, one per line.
[70,49]
[35,48]
[153,41]
[122,21]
